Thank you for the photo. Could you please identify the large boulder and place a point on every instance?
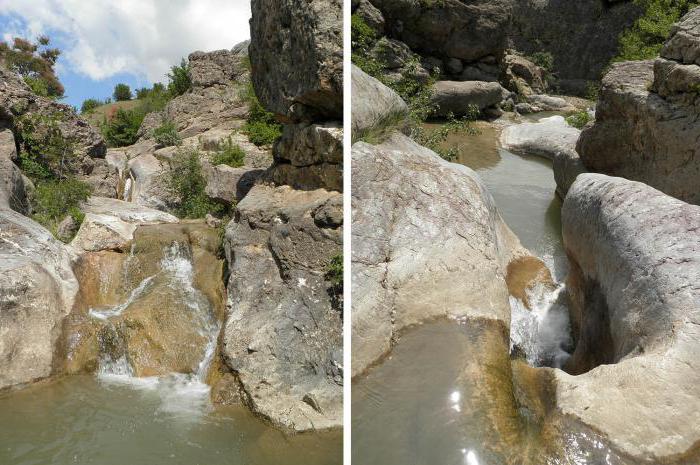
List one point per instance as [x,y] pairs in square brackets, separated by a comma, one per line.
[283,336]
[375,107]
[646,120]
[296,52]
[635,307]
[37,291]
[457,97]
[227,184]
[428,242]
[544,138]
[14,186]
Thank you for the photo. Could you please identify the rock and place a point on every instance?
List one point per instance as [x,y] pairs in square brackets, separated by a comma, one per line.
[103,178]
[567,166]
[67,229]
[375,107]
[550,103]
[526,108]
[454,66]
[428,242]
[218,67]
[392,53]
[523,76]
[212,221]
[228,184]
[546,138]
[148,184]
[371,16]
[635,256]
[299,79]
[642,135]
[309,156]
[683,44]
[283,338]
[110,224]
[474,73]
[14,186]
[457,97]
[37,291]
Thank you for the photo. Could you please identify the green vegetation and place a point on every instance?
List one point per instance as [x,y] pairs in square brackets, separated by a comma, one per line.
[179,79]
[44,152]
[416,92]
[544,60]
[166,134]
[578,119]
[89,105]
[230,154]
[121,129]
[643,41]
[122,92]
[53,200]
[261,126]
[35,63]
[186,181]
[334,274]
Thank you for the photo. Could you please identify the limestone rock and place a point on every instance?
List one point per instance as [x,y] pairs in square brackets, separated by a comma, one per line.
[228,184]
[635,303]
[14,186]
[428,241]
[546,138]
[456,97]
[148,184]
[375,107]
[283,338]
[296,52]
[37,290]
[217,67]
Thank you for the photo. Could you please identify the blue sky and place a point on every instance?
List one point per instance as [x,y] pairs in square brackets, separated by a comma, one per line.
[105,42]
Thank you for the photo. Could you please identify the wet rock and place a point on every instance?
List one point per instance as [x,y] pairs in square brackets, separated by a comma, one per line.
[635,256]
[375,107]
[283,338]
[428,242]
[37,291]
[456,97]
[110,224]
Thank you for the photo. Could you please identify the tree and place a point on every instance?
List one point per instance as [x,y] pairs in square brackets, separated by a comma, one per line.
[179,79]
[122,92]
[35,63]
[89,105]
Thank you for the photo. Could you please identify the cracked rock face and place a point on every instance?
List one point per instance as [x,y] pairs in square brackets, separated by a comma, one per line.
[635,307]
[428,242]
[646,121]
[283,337]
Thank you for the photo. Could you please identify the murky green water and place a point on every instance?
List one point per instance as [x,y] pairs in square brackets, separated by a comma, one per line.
[80,420]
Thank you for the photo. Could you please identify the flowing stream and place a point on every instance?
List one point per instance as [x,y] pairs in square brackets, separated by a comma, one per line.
[118,417]
[428,401]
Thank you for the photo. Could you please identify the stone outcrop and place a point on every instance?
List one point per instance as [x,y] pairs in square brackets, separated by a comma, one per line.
[457,98]
[227,184]
[635,305]
[14,186]
[375,107]
[283,338]
[296,52]
[428,241]
[37,291]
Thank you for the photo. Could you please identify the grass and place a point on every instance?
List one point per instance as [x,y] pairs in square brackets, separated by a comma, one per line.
[261,127]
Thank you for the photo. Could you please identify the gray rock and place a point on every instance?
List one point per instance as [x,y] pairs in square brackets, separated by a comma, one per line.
[523,76]
[392,54]
[14,186]
[683,44]
[103,178]
[457,97]
[546,138]
[474,73]
[371,15]
[283,338]
[428,242]
[67,229]
[37,291]
[567,166]
[635,303]
[218,67]
[300,79]
[375,107]
[148,186]
[550,103]
[227,184]
[454,66]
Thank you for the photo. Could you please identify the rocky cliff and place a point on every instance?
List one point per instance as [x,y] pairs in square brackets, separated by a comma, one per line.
[646,121]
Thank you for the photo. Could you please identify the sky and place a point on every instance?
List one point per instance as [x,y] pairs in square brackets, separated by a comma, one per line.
[105,42]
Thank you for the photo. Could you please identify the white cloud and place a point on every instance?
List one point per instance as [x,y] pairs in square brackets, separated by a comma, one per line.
[100,38]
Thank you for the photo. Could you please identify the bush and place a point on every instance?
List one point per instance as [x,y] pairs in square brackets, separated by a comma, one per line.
[121,129]
[35,63]
[166,134]
[334,274]
[185,181]
[261,126]
[122,92]
[230,154]
[643,41]
[544,60]
[179,79]
[44,151]
[55,199]
[89,105]
[578,119]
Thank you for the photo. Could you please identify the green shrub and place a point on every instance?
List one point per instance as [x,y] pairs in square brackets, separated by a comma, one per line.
[578,119]
[334,274]
[230,154]
[122,92]
[89,105]
[544,60]
[166,134]
[179,79]
[643,41]
[186,181]
[261,126]
[44,151]
[435,139]
[121,129]
[37,86]
[53,200]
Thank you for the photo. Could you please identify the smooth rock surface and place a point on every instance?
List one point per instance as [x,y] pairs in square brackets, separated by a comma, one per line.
[375,107]
[456,97]
[546,138]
